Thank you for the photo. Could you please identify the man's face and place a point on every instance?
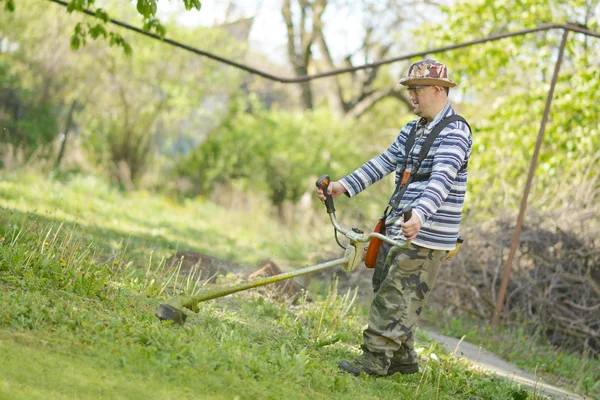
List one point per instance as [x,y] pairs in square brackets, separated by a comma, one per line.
[421,97]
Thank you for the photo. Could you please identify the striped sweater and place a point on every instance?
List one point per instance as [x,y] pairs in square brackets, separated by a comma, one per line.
[438,201]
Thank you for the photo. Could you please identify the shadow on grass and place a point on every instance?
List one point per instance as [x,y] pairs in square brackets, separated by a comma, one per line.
[110,242]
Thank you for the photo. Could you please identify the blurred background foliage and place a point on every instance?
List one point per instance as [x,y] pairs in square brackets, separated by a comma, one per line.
[277,152]
[505,85]
[163,119]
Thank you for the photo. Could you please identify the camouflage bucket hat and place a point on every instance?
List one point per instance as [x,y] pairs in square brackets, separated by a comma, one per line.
[428,72]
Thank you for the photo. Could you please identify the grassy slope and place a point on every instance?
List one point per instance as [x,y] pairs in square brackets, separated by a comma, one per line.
[80,277]
[152,223]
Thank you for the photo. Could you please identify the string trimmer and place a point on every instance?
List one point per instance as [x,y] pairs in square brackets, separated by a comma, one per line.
[172,311]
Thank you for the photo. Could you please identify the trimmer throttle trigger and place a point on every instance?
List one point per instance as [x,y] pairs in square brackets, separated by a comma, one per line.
[407,213]
[323,184]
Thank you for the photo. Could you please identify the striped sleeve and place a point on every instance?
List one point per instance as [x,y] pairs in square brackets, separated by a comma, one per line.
[447,162]
[378,167]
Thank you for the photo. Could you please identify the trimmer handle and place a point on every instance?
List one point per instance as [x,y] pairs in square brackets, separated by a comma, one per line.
[407,213]
[323,184]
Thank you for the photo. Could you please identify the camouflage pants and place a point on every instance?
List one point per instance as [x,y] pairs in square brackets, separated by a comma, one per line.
[402,282]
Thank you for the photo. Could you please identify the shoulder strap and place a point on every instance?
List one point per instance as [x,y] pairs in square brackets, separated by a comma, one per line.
[410,141]
[399,192]
[435,133]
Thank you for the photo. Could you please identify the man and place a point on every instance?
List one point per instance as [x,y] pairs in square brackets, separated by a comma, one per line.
[403,277]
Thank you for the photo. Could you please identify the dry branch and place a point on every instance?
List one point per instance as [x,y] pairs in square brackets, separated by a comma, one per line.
[554,286]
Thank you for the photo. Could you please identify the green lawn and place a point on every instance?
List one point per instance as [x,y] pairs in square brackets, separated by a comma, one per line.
[82,271]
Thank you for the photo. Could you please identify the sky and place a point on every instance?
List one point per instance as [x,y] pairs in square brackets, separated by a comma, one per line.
[268,34]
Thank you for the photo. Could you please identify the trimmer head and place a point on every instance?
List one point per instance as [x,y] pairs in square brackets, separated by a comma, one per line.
[166,312]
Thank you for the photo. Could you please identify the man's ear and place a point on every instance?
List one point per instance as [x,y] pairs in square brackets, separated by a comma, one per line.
[440,90]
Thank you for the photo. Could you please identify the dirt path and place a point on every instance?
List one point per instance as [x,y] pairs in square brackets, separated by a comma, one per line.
[492,363]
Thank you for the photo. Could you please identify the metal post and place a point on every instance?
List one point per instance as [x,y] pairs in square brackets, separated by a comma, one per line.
[517,233]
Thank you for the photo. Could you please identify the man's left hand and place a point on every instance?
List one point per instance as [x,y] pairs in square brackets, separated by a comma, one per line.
[411,227]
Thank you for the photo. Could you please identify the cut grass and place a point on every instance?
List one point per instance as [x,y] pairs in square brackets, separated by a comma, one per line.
[81,275]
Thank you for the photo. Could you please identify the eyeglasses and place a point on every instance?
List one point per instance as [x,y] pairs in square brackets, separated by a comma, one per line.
[415,88]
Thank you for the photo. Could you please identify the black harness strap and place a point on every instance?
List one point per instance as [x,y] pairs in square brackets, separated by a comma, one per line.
[410,142]
[431,137]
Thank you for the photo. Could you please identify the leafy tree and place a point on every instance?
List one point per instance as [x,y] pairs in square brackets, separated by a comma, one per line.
[147,9]
[131,109]
[154,100]
[51,77]
[28,123]
[504,85]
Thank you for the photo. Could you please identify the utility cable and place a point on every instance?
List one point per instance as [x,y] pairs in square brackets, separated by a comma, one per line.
[305,78]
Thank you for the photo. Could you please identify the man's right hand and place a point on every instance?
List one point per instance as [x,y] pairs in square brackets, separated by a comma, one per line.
[334,189]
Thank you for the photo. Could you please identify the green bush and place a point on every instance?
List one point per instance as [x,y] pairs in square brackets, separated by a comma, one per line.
[279,152]
[28,124]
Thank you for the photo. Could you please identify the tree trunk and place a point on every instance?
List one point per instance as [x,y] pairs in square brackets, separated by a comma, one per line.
[306,89]
[299,43]
[63,144]
[307,28]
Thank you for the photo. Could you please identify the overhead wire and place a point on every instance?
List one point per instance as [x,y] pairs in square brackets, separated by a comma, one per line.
[305,78]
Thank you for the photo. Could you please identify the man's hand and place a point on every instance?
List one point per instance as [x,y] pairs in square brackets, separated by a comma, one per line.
[411,227]
[334,189]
